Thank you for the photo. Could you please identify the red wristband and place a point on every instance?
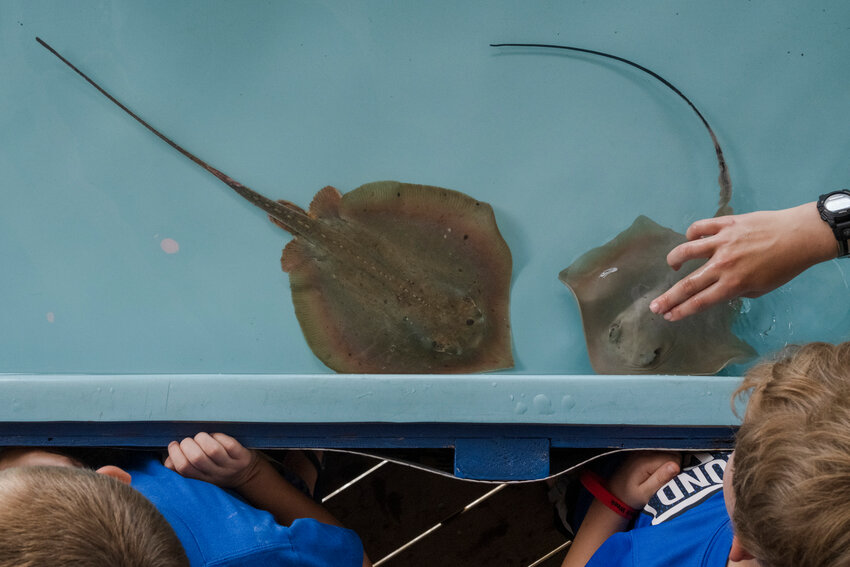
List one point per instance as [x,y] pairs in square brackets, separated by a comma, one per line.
[594,484]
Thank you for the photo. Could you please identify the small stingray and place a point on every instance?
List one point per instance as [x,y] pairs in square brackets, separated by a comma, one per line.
[615,283]
[390,277]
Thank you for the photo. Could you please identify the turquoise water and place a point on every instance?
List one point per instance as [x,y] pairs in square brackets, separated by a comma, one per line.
[121,256]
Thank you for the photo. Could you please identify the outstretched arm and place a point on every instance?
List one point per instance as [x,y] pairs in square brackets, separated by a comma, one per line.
[638,478]
[748,256]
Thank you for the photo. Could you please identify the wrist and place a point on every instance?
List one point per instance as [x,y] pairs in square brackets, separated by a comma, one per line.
[818,237]
[596,486]
[250,474]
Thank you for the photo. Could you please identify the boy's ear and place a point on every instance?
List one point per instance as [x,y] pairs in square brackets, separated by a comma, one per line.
[738,553]
[116,473]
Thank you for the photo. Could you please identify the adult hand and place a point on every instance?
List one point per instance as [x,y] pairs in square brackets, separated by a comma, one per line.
[217,458]
[748,256]
[642,474]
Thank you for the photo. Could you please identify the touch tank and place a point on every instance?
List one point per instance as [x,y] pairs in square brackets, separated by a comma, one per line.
[140,293]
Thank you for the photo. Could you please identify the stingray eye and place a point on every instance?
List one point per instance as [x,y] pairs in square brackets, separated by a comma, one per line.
[614,333]
[470,322]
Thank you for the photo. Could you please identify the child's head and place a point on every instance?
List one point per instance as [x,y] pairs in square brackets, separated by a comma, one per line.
[54,515]
[791,476]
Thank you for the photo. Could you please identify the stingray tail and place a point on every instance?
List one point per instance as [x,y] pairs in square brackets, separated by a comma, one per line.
[723,179]
[290,219]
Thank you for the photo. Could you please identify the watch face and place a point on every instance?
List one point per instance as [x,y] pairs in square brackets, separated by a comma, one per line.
[837,202]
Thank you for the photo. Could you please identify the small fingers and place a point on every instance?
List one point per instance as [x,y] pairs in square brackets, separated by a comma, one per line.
[664,474]
[216,458]
[197,457]
[212,448]
[179,463]
[234,448]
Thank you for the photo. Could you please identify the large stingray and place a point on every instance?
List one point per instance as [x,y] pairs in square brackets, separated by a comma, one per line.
[615,283]
[390,277]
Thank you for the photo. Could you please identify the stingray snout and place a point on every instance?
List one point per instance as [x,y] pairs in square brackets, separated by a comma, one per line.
[647,359]
[639,343]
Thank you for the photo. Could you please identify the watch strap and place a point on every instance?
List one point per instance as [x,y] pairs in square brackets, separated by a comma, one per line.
[842,234]
[840,225]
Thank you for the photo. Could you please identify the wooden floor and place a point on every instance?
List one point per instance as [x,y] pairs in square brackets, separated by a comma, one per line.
[411,517]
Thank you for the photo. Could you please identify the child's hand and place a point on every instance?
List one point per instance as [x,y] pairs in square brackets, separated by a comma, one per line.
[643,474]
[217,458]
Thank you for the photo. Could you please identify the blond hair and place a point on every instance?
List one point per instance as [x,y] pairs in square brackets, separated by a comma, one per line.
[792,459]
[68,516]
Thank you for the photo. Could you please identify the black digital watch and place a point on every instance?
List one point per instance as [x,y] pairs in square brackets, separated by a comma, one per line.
[834,208]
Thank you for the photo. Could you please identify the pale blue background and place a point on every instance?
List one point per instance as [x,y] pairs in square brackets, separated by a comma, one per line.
[288,97]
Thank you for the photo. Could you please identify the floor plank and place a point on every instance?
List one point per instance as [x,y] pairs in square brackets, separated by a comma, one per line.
[396,503]
[555,560]
[340,468]
[513,527]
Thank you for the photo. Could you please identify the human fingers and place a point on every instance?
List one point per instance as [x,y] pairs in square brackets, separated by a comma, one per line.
[196,457]
[244,463]
[233,447]
[662,457]
[707,227]
[691,250]
[178,462]
[661,476]
[687,289]
[639,473]
[213,449]
[708,297]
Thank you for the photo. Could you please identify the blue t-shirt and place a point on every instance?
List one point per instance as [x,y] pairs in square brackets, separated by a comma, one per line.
[217,528]
[684,525]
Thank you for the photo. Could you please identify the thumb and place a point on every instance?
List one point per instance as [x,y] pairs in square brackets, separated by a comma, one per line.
[662,475]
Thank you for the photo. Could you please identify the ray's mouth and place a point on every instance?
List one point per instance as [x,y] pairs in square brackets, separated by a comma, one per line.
[656,359]
[659,356]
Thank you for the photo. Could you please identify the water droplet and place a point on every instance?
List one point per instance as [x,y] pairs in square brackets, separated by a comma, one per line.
[608,272]
[542,404]
[767,331]
[520,408]
[568,402]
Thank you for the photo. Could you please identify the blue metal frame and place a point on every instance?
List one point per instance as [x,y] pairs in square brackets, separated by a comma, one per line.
[506,452]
